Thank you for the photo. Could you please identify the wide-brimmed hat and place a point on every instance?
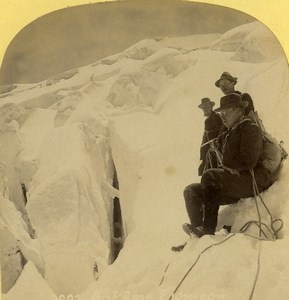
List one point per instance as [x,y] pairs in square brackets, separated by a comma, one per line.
[206,101]
[226,75]
[231,100]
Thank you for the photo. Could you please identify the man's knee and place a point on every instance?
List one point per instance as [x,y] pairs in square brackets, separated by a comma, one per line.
[212,178]
[191,190]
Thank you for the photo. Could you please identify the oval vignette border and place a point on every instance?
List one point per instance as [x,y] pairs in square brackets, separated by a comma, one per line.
[241,5]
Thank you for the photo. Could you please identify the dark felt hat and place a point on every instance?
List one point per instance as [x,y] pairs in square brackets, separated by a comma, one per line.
[226,75]
[231,100]
[206,101]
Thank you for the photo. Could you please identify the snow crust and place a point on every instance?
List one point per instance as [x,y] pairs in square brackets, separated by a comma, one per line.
[137,111]
[250,43]
[30,285]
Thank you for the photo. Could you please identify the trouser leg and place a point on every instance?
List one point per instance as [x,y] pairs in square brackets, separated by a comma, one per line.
[211,207]
[193,198]
[217,187]
[220,187]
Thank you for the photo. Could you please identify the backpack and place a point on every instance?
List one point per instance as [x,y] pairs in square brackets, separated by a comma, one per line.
[273,152]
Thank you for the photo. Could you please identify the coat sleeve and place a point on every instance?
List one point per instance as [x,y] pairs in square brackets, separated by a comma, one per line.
[250,107]
[250,146]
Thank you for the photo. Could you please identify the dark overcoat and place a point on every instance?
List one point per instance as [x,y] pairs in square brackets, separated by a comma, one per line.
[213,126]
[241,149]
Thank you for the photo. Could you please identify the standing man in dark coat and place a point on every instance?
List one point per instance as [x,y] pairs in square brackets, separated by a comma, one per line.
[240,149]
[213,124]
[227,85]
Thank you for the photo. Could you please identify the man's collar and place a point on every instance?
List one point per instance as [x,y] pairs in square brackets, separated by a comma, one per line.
[242,120]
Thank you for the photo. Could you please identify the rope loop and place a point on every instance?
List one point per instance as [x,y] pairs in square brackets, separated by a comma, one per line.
[273,229]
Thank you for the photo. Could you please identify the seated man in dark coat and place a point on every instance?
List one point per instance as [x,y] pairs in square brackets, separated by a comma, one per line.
[227,85]
[213,124]
[240,149]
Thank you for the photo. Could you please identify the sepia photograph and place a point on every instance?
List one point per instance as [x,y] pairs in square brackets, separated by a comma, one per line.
[144,152]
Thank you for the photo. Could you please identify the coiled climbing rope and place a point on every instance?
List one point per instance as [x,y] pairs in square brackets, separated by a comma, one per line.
[272,230]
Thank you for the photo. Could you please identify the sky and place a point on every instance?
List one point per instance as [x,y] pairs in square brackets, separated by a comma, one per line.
[274,16]
[77,36]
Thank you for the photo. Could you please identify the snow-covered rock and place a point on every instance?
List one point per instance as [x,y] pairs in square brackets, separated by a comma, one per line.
[30,285]
[166,59]
[66,204]
[12,116]
[250,43]
[142,49]
[137,89]
[17,246]
[11,260]
[189,43]
[31,136]
[11,113]
[7,88]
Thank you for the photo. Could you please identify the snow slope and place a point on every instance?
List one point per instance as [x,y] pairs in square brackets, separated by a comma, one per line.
[138,111]
[30,286]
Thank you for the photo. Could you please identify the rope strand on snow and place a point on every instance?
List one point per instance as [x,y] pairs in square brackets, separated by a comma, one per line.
[257,272]
[259,223]
[243,230]
[195,262]
[163,278]
[166,269]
